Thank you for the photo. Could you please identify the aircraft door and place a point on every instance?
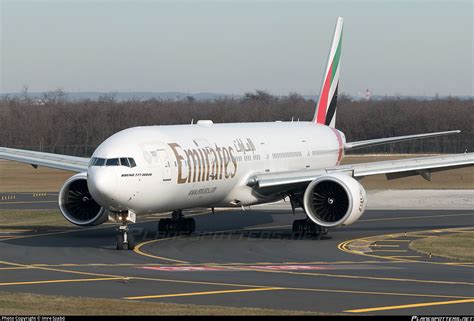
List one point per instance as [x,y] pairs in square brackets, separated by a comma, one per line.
[265,156]
[306,154]
[165,164]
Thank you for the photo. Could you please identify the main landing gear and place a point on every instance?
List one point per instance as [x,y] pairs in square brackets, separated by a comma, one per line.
[307,226]
[177,224]
[124,236]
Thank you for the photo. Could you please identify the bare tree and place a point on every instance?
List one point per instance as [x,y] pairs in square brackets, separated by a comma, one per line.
[77,127]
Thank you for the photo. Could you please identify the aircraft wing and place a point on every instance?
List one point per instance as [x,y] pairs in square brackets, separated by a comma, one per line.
[393,169]
[381,141]
[64,162]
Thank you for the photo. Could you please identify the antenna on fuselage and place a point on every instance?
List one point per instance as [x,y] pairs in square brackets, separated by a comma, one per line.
[192,121]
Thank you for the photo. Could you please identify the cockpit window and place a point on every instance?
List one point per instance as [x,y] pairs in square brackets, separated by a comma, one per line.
[132,162]
[113,162]
[124,162]
[99,162]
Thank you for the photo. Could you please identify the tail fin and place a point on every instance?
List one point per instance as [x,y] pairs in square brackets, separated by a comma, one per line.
[326,107]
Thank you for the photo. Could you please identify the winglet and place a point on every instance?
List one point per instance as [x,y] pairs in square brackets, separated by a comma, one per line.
[325,113]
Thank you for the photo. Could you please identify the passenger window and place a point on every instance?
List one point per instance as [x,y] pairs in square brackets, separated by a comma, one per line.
[113,162]
[132,162]
[124,162]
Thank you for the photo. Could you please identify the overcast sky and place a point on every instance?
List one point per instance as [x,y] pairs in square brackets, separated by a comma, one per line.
[390,47]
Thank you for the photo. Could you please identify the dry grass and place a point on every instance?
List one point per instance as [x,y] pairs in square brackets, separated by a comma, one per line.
[15,177]
[35,304]
[458,246]
[32,220]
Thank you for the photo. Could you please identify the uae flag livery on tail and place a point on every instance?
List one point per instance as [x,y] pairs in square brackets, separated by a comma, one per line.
[326,107]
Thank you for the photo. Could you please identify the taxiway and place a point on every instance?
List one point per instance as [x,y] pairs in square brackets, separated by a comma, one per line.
[251,258]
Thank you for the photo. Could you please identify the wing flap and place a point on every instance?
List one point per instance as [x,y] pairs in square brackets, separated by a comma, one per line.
[64,162]
[412,164]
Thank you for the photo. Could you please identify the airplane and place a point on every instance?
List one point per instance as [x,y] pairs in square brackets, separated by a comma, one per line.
[171,168]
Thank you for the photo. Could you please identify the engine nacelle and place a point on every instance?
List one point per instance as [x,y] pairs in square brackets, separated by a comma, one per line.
[77,205]
[334,199]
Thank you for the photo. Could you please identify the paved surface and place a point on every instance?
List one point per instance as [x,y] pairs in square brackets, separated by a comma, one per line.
[251,259]
[31,200]
[460,199]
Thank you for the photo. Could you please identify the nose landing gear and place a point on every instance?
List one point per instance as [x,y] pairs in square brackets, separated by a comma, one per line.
[124,237]
[176,224]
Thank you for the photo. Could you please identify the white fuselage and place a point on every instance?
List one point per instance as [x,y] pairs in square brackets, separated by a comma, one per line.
[205,164]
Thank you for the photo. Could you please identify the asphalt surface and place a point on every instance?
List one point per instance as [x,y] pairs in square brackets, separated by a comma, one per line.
[250,259]
[31,200]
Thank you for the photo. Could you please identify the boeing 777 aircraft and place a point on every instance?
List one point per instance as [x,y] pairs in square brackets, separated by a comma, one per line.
[170,168]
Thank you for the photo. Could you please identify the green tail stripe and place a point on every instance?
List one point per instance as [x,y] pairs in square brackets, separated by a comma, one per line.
[337,56]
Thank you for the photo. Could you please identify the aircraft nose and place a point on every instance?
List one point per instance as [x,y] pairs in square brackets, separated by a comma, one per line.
[102,184]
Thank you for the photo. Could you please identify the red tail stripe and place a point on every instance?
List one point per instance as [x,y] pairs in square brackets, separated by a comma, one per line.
[323,100]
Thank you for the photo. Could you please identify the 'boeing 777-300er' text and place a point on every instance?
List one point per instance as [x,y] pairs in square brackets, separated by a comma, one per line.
[153,169]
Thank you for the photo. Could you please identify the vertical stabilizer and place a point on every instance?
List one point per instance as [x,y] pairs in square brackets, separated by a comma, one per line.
[326,107]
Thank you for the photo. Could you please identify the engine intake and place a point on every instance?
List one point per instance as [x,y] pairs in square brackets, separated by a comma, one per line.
[77,205]
[335,199]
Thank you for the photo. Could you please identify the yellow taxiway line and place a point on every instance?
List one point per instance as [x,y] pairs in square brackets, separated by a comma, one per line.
[342,291]
[32,266]
[60,281]
[408,306]
[160,296]
[357,277]
[343,246]
[138,250]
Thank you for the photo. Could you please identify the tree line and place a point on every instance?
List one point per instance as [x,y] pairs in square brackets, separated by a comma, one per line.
[59,125]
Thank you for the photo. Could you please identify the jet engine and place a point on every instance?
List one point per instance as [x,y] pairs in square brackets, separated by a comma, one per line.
[77,205]
[334,199]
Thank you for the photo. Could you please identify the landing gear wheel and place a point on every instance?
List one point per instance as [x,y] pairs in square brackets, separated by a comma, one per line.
[177,224]
[308,226]
[164,225]
[119,241]
[313,228]
[190,225]
[130,241]
[124,239]
[317,235]
[161,225]
[297,226]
